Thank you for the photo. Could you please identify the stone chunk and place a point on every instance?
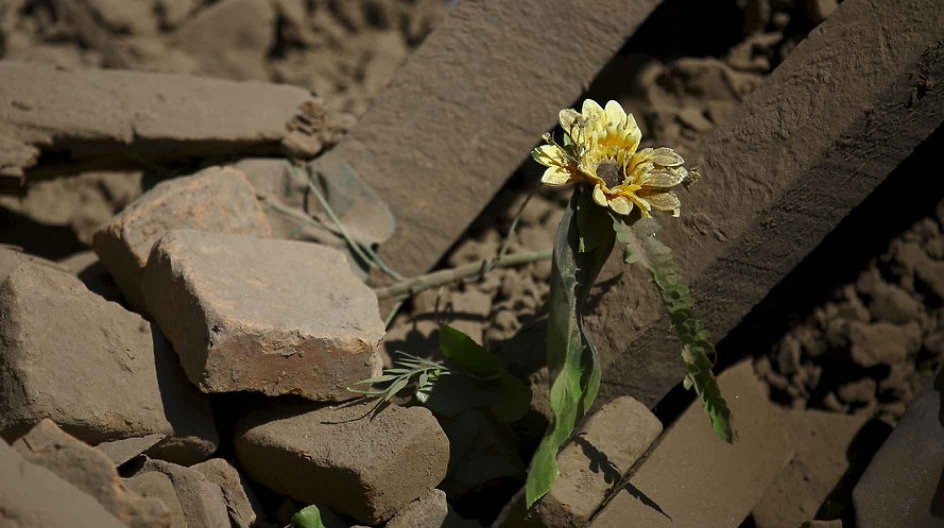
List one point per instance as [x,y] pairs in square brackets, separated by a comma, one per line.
[609,444]
[26,500]
[124,450]
[201,501]
[428,511]
[344,458]
[11,258]
[692,479]
[901,486]
[215,199]
[822,440]
[100,372]
[92,472]
[263,315]
[158,486]
[240,499]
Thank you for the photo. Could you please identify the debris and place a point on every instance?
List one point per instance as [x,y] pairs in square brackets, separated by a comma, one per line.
[348,458]
[92,472]
[158,486]
[901,487]
[126,449]
[100,372]
[263,315]
[694,479]
[428,511]
[241,502]
[594,463]
[822,440]
[26,499]
[201,500]
[216,199]
[91,115]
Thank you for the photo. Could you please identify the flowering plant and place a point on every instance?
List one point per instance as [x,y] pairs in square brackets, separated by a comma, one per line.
[618,187]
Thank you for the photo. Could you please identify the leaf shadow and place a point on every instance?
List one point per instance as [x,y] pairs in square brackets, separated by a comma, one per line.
[600,463]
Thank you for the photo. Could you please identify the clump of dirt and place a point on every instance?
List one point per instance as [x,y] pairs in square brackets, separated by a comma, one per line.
[876,344]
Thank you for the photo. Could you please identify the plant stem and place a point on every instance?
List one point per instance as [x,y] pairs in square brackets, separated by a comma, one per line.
[309,227]
[435,279]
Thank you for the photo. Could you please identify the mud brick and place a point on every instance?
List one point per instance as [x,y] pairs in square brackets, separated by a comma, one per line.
[100,372]
[368,467]
[263,315]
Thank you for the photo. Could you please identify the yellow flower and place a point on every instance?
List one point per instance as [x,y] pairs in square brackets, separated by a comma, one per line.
[601,148]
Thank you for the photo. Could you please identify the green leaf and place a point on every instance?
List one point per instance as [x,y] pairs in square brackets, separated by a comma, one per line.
[648,251]
[583,242]
[514,399]
[466,354]
[395,387]
[308,517]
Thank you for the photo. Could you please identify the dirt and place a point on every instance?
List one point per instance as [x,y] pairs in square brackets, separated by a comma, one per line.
[875,344]
[866,351]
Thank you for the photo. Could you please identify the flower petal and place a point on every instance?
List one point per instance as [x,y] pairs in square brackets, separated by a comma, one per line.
[568,117]
[592,111]
[666,202]
[615,115]
[549,155]
[556,176]
[598,196]
[631,129]
[666,177]
[666,157]
[621,205]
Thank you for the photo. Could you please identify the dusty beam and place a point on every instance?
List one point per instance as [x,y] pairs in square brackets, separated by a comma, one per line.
[462,114]
[846,107]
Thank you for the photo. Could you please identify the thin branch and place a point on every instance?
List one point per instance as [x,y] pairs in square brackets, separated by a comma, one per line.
[435,279]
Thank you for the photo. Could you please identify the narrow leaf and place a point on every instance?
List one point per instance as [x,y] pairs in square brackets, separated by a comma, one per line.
[583,242]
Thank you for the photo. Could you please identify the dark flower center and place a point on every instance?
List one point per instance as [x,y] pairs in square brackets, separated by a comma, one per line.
[610,174]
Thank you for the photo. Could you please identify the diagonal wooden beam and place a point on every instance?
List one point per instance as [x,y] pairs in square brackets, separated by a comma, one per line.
[846,107]
[460,116]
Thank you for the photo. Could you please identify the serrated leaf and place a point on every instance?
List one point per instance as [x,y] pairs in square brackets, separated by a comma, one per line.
[467,355]
[308,517]
[642,241]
